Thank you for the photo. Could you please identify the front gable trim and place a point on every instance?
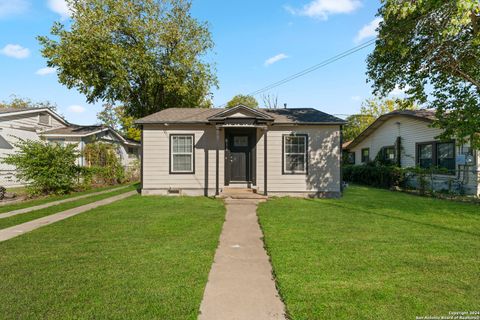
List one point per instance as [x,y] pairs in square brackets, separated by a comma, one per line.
[244,110]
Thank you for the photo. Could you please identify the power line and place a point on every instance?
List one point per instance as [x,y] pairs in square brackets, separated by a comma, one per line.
[312,68]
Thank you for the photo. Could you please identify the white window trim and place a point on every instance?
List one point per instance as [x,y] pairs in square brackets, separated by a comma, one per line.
[192,153]
[305,154]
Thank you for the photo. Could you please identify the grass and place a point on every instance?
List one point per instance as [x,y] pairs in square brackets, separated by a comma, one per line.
[42,200]
[24,217]
[374,254]
[139,258]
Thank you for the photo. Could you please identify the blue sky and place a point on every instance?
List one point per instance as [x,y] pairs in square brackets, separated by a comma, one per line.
[256,43]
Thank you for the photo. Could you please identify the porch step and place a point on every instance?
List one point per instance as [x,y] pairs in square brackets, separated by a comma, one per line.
[240,193]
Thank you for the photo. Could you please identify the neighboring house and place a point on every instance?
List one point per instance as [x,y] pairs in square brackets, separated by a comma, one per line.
[271,151]
[128,150]
[45,124]
[407,139]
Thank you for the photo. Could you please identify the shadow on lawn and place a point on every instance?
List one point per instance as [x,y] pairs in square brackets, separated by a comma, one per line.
[396,218]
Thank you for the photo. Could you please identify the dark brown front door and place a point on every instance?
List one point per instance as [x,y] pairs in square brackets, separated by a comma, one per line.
[240,165]
[239,147]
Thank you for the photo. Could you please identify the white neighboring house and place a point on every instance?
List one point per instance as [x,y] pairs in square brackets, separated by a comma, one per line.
[407,138]
[45,124]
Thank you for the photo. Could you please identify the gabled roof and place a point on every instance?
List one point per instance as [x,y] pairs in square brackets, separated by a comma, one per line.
[81,131]
[203,116]
[426,115]
[7,112]
[241,111]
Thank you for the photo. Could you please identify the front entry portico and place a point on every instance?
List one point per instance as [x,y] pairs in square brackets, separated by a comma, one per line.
[240,126]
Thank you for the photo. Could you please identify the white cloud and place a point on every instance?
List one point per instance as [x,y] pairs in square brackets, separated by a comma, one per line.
[10,7]
[60,7]
[321,9]
[45,71]
[275,59]
[76,109]
[397,92]
[15,51]
[369,30]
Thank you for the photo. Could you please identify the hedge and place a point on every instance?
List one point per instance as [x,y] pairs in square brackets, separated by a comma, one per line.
[380,176]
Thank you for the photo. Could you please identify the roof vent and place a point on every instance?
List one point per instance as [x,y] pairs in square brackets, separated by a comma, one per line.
[285,106]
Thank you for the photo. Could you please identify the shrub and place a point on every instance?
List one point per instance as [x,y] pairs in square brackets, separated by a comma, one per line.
[374,175]
[103,164]
[48,168]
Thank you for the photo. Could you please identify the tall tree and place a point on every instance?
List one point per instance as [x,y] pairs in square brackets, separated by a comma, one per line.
[246,100]
[372,109]
[116,118]
[147,55]
[432,49]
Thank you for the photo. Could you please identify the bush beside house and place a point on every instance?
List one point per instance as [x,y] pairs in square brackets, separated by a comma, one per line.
[52,168]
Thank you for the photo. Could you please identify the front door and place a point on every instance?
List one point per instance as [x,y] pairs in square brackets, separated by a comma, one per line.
[239,157]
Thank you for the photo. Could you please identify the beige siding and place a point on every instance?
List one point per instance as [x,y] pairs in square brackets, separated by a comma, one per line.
[156,173]
[412,131]
[323,161]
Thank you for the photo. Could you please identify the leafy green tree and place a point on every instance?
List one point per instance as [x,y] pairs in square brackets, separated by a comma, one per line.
[146,55]
[48,168]
[21,103]
[246,100]
[116,118]
[432,49]
[372,109]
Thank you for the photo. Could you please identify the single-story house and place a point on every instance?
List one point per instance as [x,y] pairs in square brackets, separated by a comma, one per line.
[407,138]
[45,124]
[198,151]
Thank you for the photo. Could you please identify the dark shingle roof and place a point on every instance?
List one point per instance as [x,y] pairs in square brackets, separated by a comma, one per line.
[82,130]
[199,115]
[75,129]
[428,114]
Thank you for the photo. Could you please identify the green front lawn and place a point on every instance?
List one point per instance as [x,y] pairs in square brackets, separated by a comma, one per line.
[28,216]
[139,258]
[374,254]
[38,201]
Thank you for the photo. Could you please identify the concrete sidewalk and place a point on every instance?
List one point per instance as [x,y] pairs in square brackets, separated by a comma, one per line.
[54,203]
[240,285]
[20,229]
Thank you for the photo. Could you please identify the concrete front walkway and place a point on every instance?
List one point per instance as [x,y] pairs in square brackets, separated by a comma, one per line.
[54,203]
[240,285]
[12,232]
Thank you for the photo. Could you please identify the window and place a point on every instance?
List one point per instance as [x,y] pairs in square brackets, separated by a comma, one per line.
[436,154]
[365,155]
[425,155]
[182,153]
[388,153]
[240,141]
[349,157]
[44,118]
[132,152]
[60,142]
[295,154]
[446,155]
